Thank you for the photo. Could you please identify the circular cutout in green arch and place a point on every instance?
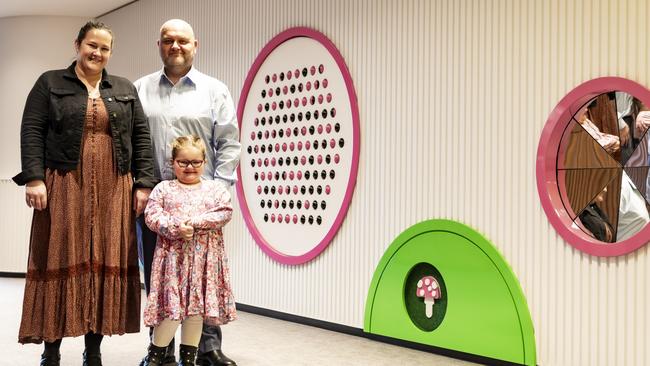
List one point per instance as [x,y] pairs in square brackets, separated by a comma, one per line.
[487,315]
[415,306]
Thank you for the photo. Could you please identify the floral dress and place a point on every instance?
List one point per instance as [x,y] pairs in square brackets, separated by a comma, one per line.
[189,277]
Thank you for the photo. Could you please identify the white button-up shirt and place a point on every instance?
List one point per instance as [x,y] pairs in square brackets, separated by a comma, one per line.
[632,213]
[197,104]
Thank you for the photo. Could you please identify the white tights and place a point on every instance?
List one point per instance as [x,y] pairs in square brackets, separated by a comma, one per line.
[190,331]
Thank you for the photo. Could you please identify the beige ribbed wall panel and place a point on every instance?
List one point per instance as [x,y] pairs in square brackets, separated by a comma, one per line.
[15,224]
[453,96]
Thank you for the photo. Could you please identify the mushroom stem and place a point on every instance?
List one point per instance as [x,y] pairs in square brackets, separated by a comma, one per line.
[428,303]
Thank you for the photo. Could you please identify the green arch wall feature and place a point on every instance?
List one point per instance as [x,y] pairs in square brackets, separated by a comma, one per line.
[487,314]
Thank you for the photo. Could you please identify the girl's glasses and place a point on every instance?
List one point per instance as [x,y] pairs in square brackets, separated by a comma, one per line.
[186,163]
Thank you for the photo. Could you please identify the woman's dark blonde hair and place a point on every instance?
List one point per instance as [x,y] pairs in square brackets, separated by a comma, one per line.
[182,142]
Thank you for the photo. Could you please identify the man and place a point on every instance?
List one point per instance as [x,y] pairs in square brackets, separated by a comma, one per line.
[179,100]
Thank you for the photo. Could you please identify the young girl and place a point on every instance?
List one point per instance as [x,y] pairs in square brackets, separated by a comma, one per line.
[190,280]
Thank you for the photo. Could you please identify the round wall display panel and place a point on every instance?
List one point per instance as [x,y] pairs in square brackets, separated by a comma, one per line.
[593,165]
[299,124]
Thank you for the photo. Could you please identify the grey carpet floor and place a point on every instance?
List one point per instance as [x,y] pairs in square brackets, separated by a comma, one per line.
[252,340]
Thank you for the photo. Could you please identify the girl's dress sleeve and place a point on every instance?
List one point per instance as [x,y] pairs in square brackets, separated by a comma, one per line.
[159,220]
[217,216]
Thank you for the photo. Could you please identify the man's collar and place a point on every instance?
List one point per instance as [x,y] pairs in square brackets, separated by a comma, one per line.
[189,78]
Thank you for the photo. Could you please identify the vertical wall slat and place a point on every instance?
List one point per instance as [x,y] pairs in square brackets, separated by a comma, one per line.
[15,225]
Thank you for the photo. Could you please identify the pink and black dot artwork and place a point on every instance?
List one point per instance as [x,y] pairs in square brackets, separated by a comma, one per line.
[299,124]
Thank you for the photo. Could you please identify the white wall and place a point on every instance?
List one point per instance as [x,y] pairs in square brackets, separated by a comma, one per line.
[30,46]
[453,96]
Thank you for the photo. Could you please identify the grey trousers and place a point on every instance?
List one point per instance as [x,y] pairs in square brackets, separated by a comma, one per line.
[210,335]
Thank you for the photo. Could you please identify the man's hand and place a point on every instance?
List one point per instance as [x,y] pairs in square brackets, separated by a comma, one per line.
[642,122]
[36,194]
[140,198]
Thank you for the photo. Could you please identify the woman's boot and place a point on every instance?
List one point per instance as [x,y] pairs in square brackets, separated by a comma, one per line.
[187,355]
[51,355]
[92,359]
[155,356]
[92,355]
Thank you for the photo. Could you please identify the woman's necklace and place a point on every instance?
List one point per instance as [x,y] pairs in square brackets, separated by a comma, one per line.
[93,93]
[93,90]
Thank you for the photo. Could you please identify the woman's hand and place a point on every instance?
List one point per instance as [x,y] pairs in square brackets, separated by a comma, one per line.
[36,194]
[140,198]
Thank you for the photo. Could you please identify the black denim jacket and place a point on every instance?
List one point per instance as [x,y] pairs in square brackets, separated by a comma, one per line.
[53,121]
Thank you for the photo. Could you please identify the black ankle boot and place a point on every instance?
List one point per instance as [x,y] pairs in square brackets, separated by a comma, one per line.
[187,355]
[168,359]
[92,359]
[51,355]
[155,356]
[50,359]
[92,353]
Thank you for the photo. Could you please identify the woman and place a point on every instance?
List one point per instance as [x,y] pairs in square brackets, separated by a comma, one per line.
[83,135]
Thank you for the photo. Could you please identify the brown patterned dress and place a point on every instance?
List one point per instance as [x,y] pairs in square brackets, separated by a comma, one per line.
[82,274]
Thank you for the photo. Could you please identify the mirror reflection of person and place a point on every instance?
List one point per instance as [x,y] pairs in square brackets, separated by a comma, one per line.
[626,109]
[641,157]
[602,113]
[633,213]
[642,123]
[610,143]
[596,221]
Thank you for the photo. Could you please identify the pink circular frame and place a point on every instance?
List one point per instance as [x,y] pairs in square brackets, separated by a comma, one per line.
[547,157]
[266,51]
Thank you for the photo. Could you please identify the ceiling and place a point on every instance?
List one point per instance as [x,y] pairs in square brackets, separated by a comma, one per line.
[82,8]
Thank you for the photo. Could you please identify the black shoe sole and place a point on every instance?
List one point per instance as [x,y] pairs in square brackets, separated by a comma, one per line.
[168,363]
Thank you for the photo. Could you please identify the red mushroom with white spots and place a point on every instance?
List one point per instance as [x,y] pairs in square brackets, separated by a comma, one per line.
[429,289]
